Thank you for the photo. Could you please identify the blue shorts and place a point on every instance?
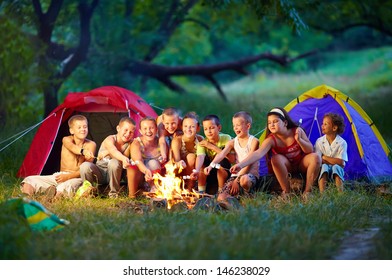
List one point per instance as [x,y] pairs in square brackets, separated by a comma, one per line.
[332,170]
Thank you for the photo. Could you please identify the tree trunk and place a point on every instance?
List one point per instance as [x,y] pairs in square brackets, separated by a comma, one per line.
[50,99]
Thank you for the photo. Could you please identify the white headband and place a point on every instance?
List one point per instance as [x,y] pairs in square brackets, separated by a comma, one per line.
[277,111]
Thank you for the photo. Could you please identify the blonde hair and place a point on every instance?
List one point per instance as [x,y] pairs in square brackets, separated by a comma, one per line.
[171,111]
[245,115]
[126,119]
[192,115]
[148,118]
[75,118]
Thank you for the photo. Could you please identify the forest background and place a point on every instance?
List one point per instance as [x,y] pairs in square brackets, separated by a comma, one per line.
[204,56]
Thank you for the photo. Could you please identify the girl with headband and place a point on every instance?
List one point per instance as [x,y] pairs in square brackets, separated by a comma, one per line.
[290,151]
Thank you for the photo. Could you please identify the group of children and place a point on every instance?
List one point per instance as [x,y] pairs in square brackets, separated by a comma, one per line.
[216,164]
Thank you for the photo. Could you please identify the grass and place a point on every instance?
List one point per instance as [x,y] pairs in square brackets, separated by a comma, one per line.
[264,228]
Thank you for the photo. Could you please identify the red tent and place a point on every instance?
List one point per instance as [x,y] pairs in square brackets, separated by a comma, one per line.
[102,106]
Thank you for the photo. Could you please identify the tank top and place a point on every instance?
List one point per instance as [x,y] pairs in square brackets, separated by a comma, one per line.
[292,152]
[243,152]
[102,149]
[144,155]
[184,150]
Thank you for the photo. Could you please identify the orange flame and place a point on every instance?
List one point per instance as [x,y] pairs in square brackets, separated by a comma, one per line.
[171,187]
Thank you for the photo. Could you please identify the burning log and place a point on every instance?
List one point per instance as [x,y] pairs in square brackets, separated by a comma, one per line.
[189,199]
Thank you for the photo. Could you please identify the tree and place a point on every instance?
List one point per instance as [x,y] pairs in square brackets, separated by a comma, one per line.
[129,40]
[58,61]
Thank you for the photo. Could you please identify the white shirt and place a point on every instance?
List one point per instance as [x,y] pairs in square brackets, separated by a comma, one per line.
[243,152]
[337,149]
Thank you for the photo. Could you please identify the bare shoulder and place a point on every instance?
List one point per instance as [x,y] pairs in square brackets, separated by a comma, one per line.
[135,143]
[68,139]
[159,120]
[230,143]
[177,140]
[90,143]
[255,142]
[178,132]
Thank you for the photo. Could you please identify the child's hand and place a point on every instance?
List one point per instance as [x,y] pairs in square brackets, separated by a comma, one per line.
[194,175]
[235,187]
[61,178]
[181,165]
[207,170]
[126,163]
[148,175]
[204,143]
[162,159]
[235,169]
[88,154]
[297,135]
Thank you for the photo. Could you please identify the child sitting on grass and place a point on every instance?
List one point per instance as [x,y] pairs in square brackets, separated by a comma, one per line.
[292,152]
[113,157]
[206,151]
[145,155]
[169,127]
[333,151]
[243,144]
[75,150]
[184,147]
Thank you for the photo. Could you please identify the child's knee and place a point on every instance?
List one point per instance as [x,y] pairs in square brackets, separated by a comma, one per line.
[153,165]
[85,167]
[27,189]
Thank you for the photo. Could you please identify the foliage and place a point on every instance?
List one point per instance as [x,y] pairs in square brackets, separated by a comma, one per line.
[18,99]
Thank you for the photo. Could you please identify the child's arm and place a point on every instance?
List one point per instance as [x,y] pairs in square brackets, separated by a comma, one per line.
[303,141]
[89,151]
[110,145]
[253,157]
[162,142]
[176,149]
[198,166]
[333,161]
[137,159]
[220,156]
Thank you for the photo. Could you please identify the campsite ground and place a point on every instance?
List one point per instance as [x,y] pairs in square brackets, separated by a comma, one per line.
[264,227]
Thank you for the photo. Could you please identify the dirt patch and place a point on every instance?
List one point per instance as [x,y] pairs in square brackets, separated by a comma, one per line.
[358,245]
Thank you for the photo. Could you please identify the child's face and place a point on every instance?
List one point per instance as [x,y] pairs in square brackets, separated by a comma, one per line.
[211,130]
[240,127]
[275,124]
[327,126]
[79,129]
[148,129]
[126,131]
[170,123]
[189,127]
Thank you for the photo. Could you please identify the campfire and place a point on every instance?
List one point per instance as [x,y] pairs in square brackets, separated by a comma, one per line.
[170,189]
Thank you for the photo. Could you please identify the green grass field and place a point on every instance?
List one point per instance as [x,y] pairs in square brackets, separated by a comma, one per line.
[265,227]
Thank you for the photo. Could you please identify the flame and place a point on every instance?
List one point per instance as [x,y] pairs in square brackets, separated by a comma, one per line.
[171,187]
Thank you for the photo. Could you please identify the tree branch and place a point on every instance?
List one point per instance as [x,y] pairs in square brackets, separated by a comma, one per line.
[47,20]
[85,14]
[168,25]
[163,73]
